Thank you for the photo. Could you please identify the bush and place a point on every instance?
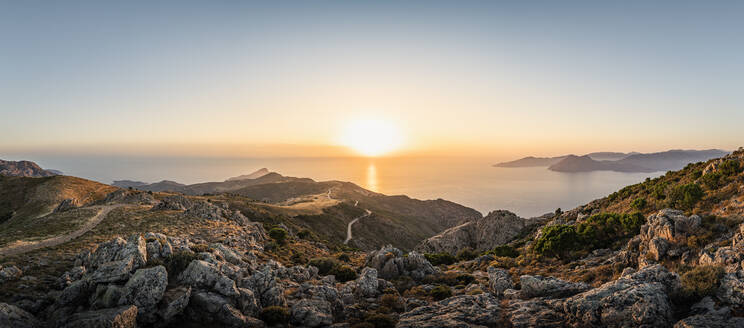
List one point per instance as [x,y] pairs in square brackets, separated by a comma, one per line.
[324,264]
[298,258]
[363,325]
[440,292]
[466,254]
[343,273]
[393,302]
[639,203]
[304,234]
[730,167]
[344,257]
[701,281]
[712,180]
[279,235]
[440,258]
[504,251]
[557,240]
[199,248]
[685,196]
[603,230]
[275,315]
[659,191]
[379,320]
[178,261]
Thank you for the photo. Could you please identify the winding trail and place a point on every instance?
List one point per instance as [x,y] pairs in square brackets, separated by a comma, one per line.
[348,228]
[54,241]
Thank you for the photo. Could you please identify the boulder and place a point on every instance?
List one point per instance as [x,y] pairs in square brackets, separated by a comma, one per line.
[390,263]
[145,289]
[499,280]
[206,275]
[10,273]
[481,234]
[13,316]
[549,287]
[66,205]
[458,311]
[367,282]
[264,283]
[121,317]
[173,203]
[174,302]
[535,313]
[311,313]
[638,299]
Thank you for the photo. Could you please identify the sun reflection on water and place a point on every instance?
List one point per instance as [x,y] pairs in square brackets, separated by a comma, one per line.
[372,177]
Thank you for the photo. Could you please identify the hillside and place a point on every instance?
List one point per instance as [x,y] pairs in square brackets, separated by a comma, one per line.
[229,185]
[666,252]
[620,162]
[24,169]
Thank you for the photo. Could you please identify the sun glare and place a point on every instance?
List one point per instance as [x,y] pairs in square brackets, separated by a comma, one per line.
[371,137]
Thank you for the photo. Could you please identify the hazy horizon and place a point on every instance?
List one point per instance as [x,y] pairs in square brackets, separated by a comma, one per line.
[245,79]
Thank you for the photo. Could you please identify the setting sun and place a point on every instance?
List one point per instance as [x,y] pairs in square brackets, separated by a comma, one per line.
[371,137]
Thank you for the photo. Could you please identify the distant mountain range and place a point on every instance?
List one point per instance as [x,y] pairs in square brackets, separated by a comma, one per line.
[24,169]
[260,177]
[620,162]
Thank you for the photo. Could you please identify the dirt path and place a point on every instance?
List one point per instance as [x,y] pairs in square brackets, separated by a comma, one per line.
[20,248]
[348,228]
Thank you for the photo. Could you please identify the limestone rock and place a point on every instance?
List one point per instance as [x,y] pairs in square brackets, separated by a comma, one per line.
[311,313]
[499,280]
[496,228]
[206,275]
[458,311]
[10,273]
[121,317]
[145,289]
[549,287]
[174,302]
[13,316]
[390,263]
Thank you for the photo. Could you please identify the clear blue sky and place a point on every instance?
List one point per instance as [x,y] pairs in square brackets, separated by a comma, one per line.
[521,77]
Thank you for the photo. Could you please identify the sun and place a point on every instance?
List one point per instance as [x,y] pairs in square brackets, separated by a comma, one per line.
[371,137]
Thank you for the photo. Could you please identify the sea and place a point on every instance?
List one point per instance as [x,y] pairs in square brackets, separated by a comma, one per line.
[470,181]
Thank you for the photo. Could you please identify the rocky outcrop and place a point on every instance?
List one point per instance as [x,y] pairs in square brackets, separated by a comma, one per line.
[549,287]
[123,196]
[173,203]
[390,263]
[638,299]
[10,273]
[13,316]
[459,311]
[121,317]
[499,280]
[66,205]
[496,228]
[24,169]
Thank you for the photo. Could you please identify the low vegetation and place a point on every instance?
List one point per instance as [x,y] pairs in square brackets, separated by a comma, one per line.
[701,281]
[275,315]
[440,258]
[598,231]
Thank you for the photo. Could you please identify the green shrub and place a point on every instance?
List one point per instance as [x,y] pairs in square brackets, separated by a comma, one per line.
[178,261]
[343,273]
[279,235]
[639,203]
[466,254]
[685,196]
[199,248]
[712,180]
[298,258]
[603,230]
[659,191]
[701,281]
[730,167]
[379,320]
[440,258]
[440,292]
[503,251]
[557,240]
[324,264]
[275,315]
[392,301]
[304,234]
[344,257]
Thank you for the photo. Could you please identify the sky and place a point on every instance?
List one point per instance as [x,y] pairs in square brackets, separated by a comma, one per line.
[285,78]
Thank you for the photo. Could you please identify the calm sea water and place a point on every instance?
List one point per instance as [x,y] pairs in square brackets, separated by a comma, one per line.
[469,181]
